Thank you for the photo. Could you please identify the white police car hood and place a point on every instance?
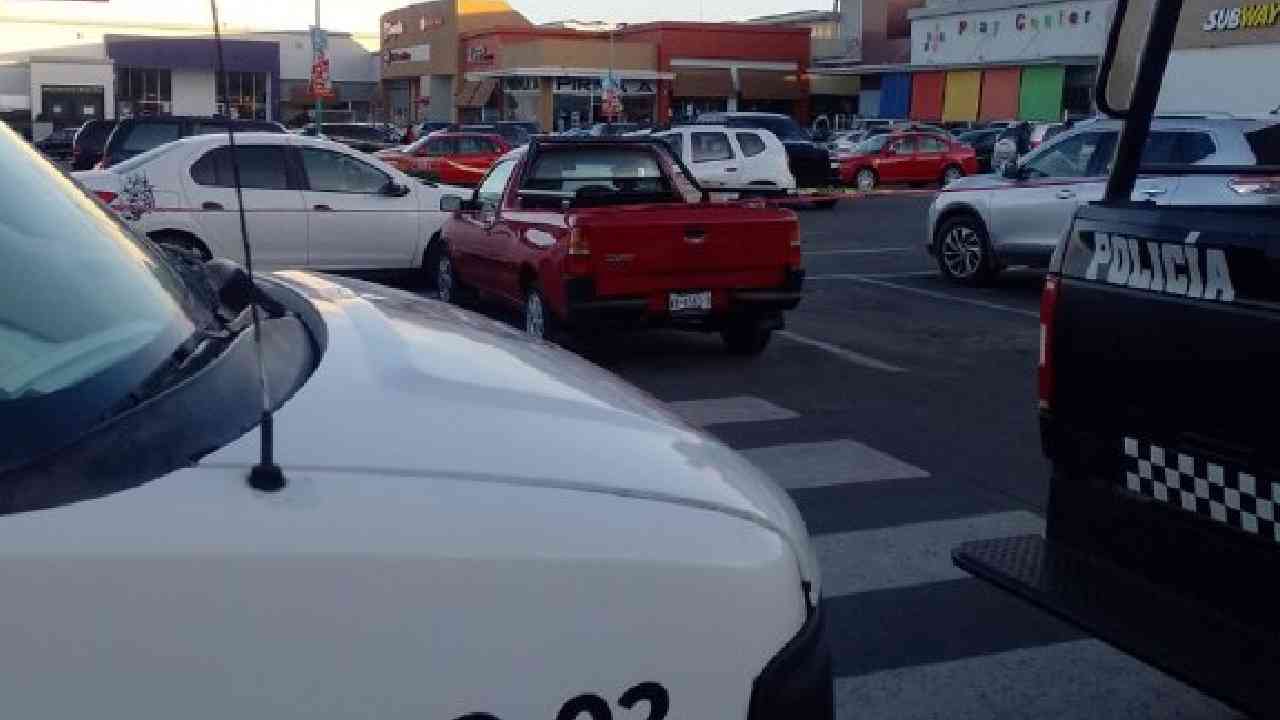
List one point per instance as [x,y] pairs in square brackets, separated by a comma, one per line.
[409,386]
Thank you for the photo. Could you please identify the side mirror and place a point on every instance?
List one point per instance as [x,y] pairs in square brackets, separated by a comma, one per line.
[1012,170]
[394,189]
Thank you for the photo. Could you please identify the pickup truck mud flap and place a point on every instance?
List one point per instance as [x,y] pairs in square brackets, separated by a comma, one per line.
[1193,642]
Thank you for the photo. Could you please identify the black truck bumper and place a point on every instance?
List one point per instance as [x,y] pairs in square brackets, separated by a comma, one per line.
[1182,636]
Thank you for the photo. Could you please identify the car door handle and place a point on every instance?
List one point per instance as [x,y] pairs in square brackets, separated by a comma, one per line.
[322,207]
[731,169]
[208,205]
[1153,191]
[1066,194]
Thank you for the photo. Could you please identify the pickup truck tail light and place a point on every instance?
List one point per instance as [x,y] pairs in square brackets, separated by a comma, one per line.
[1048,308]
[106,196]
[578,255]
[794,258]
[1255,185]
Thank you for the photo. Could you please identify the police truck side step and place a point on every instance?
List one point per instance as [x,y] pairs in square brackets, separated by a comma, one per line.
[1191,641]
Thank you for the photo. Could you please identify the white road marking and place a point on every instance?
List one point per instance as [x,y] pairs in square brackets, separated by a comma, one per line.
[859,251]
[842,353]
[872,280]
[1082,679]
[818,464]
[905,555]
[729,410]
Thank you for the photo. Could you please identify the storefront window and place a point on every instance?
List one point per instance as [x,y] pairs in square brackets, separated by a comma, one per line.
[577,102]
[244,96]
[143,91]
[689,108]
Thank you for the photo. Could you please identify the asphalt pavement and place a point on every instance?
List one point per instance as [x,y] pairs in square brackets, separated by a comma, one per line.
[899,412]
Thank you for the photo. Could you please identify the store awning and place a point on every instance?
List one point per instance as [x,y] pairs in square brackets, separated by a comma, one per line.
[1040,97]
[476,94]
[926,95]
[999,94]
[961,98]
[702,83]
[846,85]
[770,85]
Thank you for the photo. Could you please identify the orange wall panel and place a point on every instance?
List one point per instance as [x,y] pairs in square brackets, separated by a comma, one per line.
[999,94]
[926,95]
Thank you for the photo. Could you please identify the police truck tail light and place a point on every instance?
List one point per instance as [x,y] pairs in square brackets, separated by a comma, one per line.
[578,254]
[106,196]
[1255,184]
[1048,308]
[794,257]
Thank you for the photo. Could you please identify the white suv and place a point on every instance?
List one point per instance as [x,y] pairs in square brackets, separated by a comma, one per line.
[732,158]
[979,224]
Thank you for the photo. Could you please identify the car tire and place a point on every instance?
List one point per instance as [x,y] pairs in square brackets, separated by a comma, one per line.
[448,289]
[746,336]
[430,259]
[539,318]
[964,251]
[865,180]
[951,173]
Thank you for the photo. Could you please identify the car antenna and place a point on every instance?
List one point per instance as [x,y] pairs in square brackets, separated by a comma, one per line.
[265,476]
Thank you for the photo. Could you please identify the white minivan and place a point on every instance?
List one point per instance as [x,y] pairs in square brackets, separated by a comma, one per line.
[725,158]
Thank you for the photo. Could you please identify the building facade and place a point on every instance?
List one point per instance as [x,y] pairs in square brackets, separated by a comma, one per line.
[419,54]
[1221,58]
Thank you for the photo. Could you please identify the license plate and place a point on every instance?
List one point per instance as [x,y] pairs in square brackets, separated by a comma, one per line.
[835,166]
[683,302]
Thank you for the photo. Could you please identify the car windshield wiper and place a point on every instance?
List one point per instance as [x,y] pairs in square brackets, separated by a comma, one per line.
[191,355]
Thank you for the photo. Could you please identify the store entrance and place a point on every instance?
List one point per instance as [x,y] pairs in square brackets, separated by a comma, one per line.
[71,105]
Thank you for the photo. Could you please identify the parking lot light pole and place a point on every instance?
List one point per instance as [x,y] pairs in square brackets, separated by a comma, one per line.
[315,56]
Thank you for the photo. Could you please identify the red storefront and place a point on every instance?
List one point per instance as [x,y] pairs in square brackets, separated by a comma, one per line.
[728,66]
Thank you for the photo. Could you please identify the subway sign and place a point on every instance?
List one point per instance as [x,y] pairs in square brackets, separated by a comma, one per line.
[1263,15]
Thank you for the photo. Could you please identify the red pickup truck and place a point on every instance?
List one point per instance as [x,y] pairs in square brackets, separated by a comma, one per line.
[614,232]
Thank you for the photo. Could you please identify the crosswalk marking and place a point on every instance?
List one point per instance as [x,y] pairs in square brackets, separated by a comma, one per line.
[743,408]
[904,555]
[802,465]
[1077,679]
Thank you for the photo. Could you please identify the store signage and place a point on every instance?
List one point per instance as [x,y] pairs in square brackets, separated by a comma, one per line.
[1066,28]
[479,55]
[521,84]
[1245,16]
[413,53]
[319,40]
[425,22]
[594,86]
[321,84]
[392,28]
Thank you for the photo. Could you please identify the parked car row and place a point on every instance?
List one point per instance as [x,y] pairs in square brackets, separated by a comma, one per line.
[455,158]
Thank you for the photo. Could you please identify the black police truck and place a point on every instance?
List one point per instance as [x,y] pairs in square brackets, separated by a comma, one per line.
[1159,381]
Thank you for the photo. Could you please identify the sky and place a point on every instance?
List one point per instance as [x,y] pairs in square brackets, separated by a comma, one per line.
[362,15]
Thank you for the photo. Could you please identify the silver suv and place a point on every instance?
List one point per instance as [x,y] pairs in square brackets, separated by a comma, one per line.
[980,224]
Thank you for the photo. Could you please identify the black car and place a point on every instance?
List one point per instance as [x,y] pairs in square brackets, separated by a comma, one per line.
[810,162]
[87,146]
[365,137]
[135,136]
[983,143]
[57,146]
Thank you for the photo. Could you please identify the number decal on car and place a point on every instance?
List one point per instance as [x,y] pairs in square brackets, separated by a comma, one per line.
[590,706]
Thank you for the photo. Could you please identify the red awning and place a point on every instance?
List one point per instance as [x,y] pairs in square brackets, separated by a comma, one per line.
[926,95]
[999,94]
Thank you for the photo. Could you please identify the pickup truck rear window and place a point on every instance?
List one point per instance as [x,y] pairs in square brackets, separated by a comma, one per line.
[614,171]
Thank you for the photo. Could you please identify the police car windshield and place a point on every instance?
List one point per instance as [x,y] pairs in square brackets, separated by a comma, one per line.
[87,311]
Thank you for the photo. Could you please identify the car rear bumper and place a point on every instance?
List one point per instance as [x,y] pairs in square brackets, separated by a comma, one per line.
[586,309]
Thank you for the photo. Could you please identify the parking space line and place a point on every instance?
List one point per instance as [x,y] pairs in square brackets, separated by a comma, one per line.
[873,280]
[834,462]
[842,353]
[859,251]
[890,275]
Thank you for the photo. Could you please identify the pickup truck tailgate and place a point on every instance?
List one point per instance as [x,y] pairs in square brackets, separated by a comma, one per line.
[640,249]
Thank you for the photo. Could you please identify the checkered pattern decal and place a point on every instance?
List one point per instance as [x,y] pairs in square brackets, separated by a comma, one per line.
[1196,485]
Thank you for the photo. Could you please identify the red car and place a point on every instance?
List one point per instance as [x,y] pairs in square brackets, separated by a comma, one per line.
[450,158]
[906,157]
[606,232]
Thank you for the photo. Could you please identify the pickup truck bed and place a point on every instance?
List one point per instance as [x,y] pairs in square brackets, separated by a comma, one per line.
[1159,384]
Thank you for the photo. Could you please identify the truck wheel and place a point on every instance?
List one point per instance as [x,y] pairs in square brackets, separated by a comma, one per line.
[746,336]
[539,318]
[430,261]
[865,180]
[963,251]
